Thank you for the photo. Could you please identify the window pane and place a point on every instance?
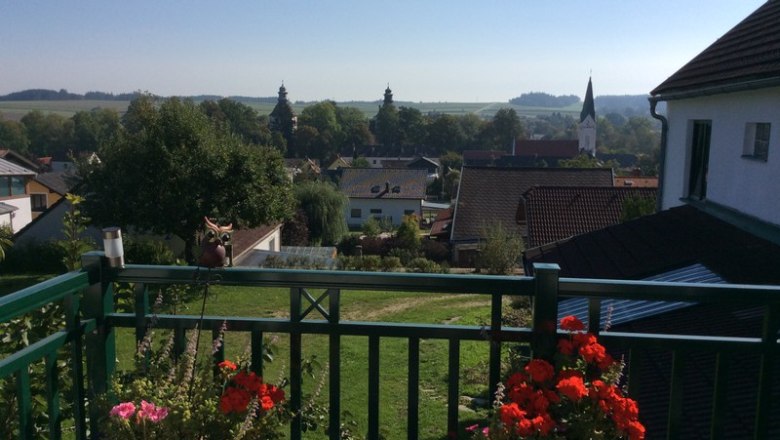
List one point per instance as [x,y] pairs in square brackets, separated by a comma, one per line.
[17,186]
[5,188]
[38,202]
[761,148]
[355,213]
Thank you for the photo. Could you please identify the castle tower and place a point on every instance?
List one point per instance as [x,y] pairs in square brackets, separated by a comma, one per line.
[587,126]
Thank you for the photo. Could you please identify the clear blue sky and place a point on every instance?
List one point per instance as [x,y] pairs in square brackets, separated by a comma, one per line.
[451,50]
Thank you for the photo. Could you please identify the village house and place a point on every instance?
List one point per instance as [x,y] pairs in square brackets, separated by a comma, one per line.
[15,204]
[382,193]
[718,223]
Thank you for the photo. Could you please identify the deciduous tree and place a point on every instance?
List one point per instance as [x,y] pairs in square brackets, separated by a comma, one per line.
[173,167]
[323,205]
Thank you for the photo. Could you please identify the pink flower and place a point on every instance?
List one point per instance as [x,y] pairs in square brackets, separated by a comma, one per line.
[472,428]
[486,431]
[151,412]
[124,410]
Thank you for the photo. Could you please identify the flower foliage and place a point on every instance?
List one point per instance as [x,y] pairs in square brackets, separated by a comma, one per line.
[575,397]
[169,397]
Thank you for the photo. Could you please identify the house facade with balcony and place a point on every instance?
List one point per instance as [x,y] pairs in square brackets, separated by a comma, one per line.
[15,205]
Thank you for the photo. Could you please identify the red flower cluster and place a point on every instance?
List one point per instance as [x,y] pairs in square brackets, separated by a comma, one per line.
[545,400]
[242,387]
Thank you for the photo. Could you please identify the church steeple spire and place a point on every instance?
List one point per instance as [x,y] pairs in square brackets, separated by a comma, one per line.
[588,107]
[587,126]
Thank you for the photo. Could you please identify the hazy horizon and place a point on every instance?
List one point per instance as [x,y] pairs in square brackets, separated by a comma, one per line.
[435,51]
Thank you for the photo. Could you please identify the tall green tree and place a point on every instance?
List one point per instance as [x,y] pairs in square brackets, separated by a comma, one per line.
[445,133]
[386,125]
[49,134]
[353,128]
[507,127]
[322,142]
[411,126]
[323,206]
[238,118]
[95,128]
[13,135]
[173,167]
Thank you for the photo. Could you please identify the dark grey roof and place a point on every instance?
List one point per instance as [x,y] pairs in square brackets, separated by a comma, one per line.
[386,183]
[11,169]
[57,181]
[492,194]
[747,54]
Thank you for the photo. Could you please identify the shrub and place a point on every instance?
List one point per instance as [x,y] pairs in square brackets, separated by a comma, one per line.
[35,257]
[370,263]
[501,249]
[348,244]
[391,264]
[374,246]
[424,265]
[404,255]
[371,227]
[346,262]
[435,250]
[140,251]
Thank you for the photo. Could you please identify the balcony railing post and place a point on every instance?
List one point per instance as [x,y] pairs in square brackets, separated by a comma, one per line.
[101,353]
[545,310]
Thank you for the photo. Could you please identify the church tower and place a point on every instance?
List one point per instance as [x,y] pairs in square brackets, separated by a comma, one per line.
[282,118]
[587,126]
[388,96]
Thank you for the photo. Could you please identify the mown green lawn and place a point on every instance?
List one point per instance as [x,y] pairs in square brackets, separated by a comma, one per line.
[364,306]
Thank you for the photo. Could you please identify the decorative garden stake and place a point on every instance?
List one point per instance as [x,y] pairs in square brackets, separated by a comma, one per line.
[213,244]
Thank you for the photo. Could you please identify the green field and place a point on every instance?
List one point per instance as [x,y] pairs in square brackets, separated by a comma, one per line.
[16,109]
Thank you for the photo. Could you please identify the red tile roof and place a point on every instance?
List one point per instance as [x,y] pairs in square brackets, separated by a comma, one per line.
[747,53]
[636,182]
[442,224]
[563,149]
[246,239]
[492,194]
[554,213]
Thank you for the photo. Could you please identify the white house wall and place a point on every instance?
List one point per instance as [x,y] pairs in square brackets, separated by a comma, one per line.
[394,208]
[22,216]
[746,185]
[271,242]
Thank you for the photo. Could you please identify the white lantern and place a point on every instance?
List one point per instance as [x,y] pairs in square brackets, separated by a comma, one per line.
[112,246]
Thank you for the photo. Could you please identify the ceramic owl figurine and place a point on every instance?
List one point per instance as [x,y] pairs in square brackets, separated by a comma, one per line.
[213,245]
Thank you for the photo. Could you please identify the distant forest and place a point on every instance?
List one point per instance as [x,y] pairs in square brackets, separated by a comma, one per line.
[626,105]
[64,95]
[539,99]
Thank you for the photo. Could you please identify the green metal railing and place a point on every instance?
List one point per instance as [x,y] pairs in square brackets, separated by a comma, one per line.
[92,320]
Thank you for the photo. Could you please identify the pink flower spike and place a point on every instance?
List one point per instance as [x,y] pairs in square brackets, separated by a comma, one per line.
[472,428]
[486,431]
[124,410]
